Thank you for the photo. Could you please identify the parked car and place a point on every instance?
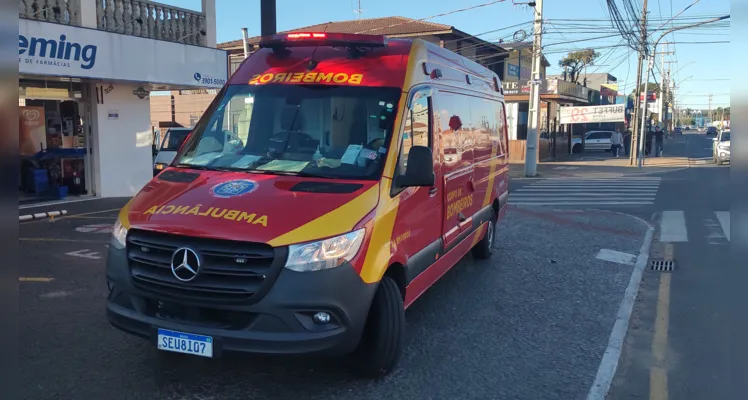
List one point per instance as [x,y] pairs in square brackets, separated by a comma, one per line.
[593,141]
[173,140]
[711,130]
[721,148]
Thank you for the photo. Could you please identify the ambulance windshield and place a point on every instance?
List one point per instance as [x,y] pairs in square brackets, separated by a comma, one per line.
[311,130]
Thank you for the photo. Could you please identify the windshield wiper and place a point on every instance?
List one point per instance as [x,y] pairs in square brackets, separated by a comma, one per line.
[206,168]
[287,173]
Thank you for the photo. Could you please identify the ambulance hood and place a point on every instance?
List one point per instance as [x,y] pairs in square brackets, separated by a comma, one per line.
[273,209]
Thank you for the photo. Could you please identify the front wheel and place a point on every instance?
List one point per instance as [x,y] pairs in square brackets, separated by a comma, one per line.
[384,334]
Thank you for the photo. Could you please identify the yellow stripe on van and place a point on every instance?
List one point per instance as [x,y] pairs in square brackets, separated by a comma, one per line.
[489,191]
[338,221]
[123,215]
[377,258]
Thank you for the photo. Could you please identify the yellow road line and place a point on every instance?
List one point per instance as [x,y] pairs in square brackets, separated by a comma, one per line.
[34,279]
[658,389]
[61,240]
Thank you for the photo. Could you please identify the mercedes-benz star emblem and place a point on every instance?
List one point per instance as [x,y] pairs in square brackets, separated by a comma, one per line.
[185,264]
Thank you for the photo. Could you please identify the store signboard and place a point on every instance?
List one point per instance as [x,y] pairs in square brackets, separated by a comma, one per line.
[62,50]
[593,114]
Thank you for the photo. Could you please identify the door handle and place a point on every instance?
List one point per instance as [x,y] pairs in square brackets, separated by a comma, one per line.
[461,217]
[432,191]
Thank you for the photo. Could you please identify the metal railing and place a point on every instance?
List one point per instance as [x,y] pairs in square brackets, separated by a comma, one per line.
[140,18]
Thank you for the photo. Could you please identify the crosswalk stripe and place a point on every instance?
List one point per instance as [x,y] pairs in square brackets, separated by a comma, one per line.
[634,191]
[724,220]
[673,227]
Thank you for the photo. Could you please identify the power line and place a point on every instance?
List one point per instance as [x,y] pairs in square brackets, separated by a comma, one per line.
[435,16]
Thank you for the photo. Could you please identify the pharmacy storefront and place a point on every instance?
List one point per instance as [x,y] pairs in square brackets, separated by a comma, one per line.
[84,115]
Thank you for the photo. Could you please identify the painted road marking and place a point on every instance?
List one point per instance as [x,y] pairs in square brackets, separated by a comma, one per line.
[658,389]
[78,215]
[35,279]
[61,240]
[673,227]
[95,228]
[609,363]
[616,257]
[85,253]
[715,231]
[588,192]
[724,220]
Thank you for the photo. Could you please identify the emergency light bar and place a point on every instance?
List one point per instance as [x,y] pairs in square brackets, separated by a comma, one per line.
[305,39]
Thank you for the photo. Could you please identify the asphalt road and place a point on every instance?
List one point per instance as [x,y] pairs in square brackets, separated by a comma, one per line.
[531,323]
[685,341]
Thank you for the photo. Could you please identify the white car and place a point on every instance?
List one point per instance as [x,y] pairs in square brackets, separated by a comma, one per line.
[721,148]
[593,141]
[173,140]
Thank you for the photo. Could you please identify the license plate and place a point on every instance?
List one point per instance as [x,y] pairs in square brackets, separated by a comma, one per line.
[187,343]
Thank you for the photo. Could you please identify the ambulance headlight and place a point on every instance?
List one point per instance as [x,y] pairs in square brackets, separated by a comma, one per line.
[119,236]
[324,254]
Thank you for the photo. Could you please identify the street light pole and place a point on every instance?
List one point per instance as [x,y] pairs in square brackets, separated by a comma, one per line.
[531,153]
[651,62]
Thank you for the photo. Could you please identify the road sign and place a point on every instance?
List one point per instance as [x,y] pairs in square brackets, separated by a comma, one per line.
[96,228]
[593,114]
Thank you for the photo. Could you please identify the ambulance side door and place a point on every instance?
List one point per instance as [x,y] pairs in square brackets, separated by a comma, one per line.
[457,167]
[417,230]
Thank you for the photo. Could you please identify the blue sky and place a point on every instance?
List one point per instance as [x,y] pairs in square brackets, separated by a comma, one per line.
[702,68]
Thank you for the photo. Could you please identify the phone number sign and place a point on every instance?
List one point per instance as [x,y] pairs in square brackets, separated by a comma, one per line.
[593,114]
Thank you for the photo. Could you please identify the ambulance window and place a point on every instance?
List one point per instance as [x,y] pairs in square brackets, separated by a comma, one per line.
[417,130]
[308,130]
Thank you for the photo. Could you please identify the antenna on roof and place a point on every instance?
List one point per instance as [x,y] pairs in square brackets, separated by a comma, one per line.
[358,11]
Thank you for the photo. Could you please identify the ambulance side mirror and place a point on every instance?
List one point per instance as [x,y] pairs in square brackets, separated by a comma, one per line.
[419,170]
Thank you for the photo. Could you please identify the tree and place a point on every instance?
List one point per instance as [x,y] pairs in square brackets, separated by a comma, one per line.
[651,87]
[574,63]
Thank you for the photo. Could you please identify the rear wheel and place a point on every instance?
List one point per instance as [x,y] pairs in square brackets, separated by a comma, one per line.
[384,334]
[484,249]
[577,148]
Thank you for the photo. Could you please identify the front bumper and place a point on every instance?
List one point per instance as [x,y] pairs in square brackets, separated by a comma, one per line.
[280,322]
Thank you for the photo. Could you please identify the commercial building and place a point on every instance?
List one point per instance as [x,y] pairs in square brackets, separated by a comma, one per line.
[86,69]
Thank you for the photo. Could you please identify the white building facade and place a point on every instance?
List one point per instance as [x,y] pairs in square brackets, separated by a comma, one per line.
[86,68]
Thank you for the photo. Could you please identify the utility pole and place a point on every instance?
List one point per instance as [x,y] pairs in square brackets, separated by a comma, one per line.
[709,115]
[267,18]
[359,10]
[650,63]
[637,99]
[531,153]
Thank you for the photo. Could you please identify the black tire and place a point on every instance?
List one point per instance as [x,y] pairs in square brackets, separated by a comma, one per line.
[577,148]
[484,249]
[383,338]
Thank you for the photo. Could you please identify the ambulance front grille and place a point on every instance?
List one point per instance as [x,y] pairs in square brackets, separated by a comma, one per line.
[229,271]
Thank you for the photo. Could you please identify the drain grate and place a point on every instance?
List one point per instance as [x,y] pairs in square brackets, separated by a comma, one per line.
[662,266]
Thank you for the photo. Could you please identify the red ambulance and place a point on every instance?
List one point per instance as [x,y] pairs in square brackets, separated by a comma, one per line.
[331,182]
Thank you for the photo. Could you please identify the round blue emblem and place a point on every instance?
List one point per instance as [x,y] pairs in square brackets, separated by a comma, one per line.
[197,76]
[234,188]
